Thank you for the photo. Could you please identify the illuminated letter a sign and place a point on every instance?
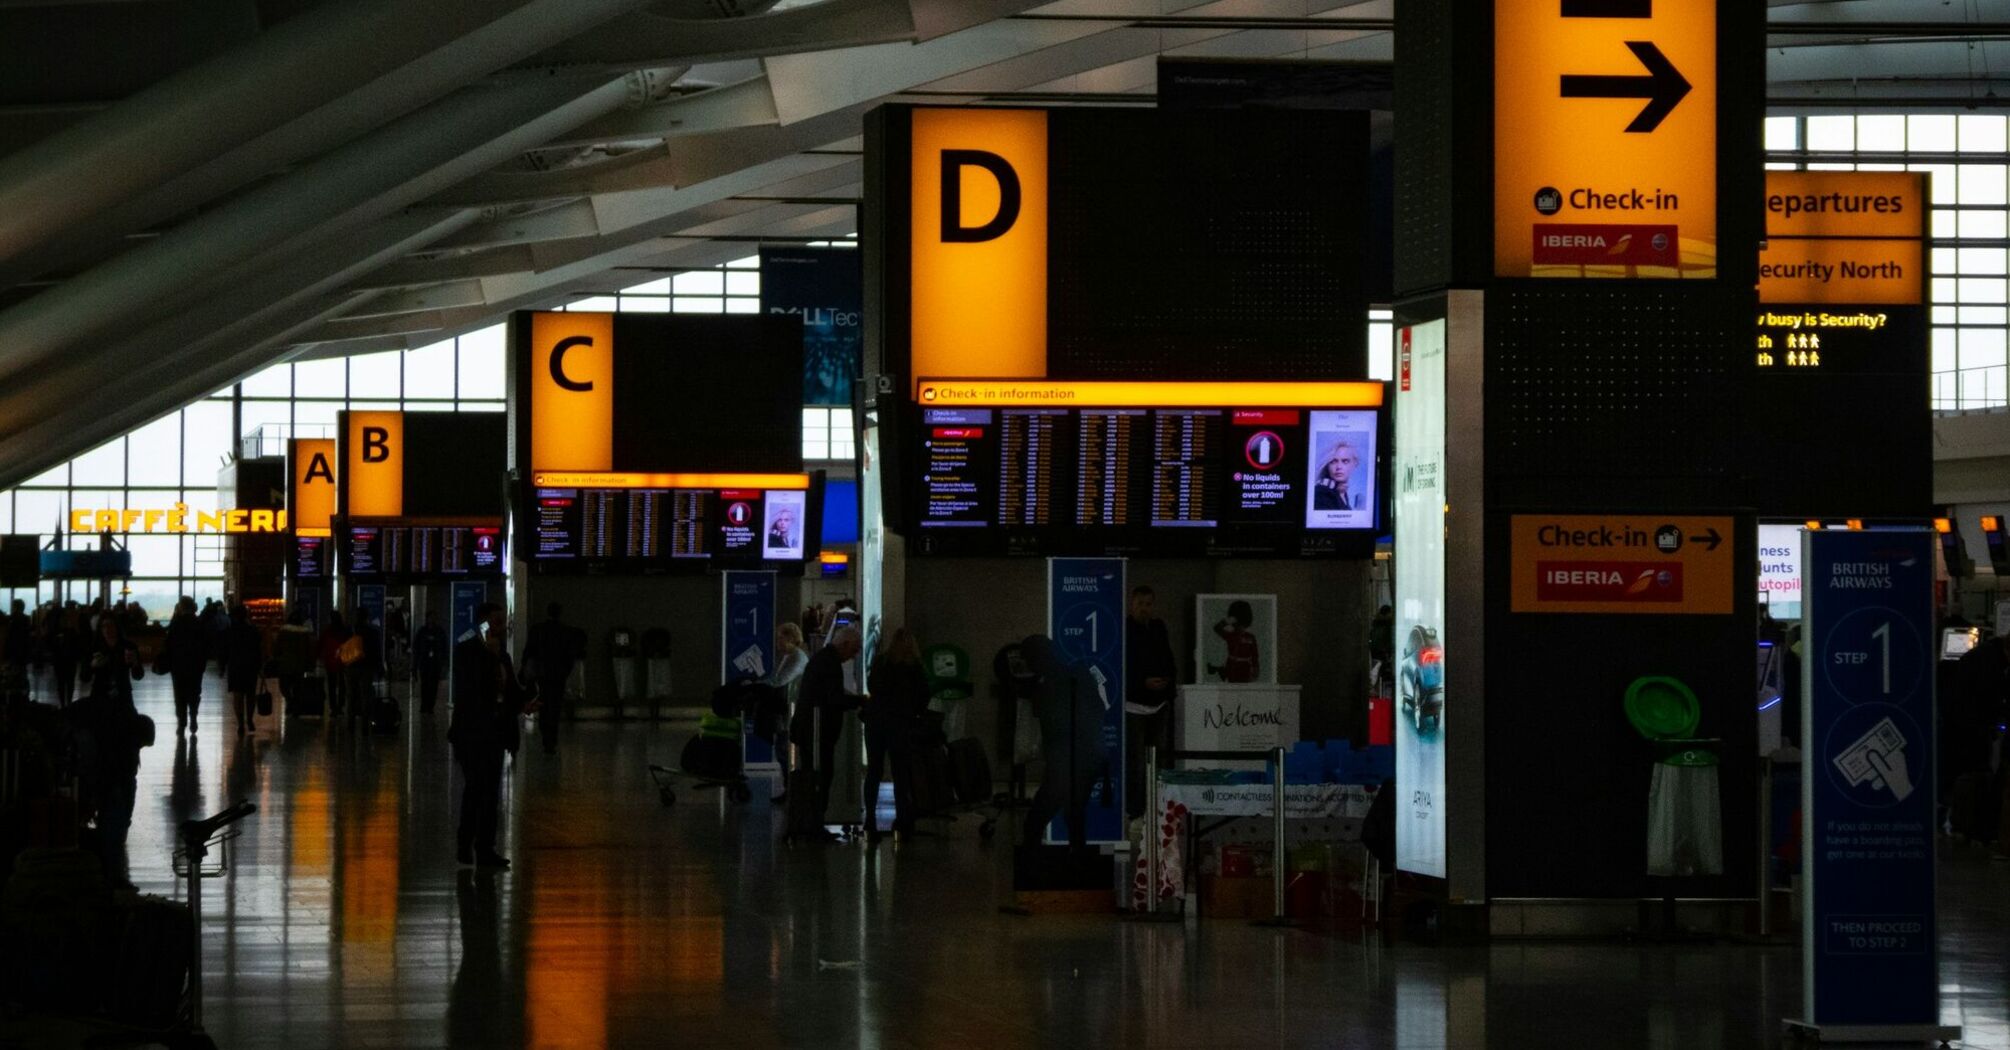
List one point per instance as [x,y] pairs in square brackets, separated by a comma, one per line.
[977,243]
[571,379]
[312,506]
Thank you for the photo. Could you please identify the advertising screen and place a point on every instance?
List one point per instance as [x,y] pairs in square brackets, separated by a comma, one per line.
[1419,673]
[1207,468]
[1780,571]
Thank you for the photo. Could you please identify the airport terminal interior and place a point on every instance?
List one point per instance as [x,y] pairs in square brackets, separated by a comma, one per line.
[1411,524]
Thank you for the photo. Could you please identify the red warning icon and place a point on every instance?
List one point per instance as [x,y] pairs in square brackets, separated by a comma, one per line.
[1264,450]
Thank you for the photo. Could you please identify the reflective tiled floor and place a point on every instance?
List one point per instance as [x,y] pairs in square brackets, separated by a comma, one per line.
[344,922]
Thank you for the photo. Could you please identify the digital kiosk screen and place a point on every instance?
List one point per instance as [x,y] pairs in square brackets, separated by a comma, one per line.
[1220,477]
[668,527]
[412,551]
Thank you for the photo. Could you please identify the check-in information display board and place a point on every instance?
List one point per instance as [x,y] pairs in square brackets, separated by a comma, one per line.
[1623,563]
[1867,793]
[1605,138]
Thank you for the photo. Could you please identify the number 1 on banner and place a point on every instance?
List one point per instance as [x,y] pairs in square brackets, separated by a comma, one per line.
[1095,645]
[1883,635]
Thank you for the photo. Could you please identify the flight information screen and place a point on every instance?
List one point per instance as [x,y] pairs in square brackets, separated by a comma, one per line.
[407,551]
[1048,467]
[669,526]
[1218,477]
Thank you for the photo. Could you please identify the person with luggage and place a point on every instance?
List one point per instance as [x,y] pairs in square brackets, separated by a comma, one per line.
[899,695]
[1148,693]
[187,657]
[115,732]
[292,654]
[1070,707]
[549,653]
[244,664]
[429,654]
[333,637]
[366,673]
[486,703]
[824,700]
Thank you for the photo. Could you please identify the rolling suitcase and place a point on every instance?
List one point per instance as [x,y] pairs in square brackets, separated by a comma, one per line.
[970,771]
[384,714]
[804,816]
[309,699]
[150,967]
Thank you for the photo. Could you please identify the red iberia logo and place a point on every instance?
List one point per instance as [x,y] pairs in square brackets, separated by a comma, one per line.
[1594,244]
[1608,581]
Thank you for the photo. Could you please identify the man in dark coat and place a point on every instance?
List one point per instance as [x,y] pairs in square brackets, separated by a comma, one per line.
[429,652]
[486,701]
[188,650]
[551,650]
[1148,693]
[824,695]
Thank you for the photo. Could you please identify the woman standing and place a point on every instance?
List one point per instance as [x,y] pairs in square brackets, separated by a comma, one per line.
[898,694]
[244,662]
[115,732]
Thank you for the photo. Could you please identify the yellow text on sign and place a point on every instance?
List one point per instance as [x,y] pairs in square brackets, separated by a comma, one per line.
[177,519]
[978,242]
[312,463]
[1605,118]
[1622,563]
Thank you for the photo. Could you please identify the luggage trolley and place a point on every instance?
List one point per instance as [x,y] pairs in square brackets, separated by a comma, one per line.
[199,840]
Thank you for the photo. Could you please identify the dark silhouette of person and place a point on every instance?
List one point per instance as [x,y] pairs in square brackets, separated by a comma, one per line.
[244,664]
[899,695]
[429,653]
[187,658]
[549,653]
[66,649]
[1149,669]
[1070,708]
[824,700]
[114,733]
[486,701]
[1243,659]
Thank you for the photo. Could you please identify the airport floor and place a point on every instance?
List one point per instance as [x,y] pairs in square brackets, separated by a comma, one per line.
[343,921]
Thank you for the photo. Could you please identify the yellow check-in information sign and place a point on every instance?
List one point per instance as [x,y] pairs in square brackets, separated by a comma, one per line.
[1623,563]
[1605,138]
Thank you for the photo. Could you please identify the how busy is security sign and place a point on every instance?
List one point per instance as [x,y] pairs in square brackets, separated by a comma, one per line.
[1605,138]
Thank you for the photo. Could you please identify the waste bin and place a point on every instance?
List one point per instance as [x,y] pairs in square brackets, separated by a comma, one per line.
[623,670]
[949,688]
[655,669]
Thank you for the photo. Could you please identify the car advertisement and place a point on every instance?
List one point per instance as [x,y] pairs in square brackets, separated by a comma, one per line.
[1420,600]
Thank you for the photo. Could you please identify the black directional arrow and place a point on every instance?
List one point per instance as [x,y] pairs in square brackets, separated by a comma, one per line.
[1663,87]
[1608,8]
[1710,538]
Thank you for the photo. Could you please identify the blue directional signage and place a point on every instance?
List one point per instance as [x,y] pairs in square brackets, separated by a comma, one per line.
[749,643]
[1085,617]
[1867,790]
[463,598]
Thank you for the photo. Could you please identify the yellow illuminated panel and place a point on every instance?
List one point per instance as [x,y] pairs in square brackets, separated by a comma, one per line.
[1605,140]
[1871,204]
[572,391]
[177,519]
[1943,526]
[575,479]
[1989,523]
[979,270]
[313,503]
[373,474]
[1034,393]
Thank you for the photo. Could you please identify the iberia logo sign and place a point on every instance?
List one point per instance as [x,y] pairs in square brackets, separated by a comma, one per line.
[1608,581]
[1590,244]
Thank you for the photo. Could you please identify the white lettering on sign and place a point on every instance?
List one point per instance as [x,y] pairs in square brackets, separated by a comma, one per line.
[1584,577]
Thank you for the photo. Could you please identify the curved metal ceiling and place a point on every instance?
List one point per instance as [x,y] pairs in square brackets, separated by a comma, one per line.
[282,178]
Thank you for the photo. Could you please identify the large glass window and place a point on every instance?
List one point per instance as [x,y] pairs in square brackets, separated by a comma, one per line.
[176,458]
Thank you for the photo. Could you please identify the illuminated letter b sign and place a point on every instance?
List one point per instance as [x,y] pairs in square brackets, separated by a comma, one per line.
[953,163]
[376,444]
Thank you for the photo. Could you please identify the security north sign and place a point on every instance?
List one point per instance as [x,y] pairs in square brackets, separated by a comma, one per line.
[1622,563]
[1605,138]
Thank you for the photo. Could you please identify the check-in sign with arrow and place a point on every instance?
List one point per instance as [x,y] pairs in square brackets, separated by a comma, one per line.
[1644,564]
[1605,138]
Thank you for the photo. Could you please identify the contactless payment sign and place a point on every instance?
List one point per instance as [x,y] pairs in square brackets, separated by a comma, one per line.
[1867,794]
[1605,138]
[1622,563]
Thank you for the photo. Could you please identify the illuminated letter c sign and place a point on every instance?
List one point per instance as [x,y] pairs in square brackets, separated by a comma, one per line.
[558,363]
